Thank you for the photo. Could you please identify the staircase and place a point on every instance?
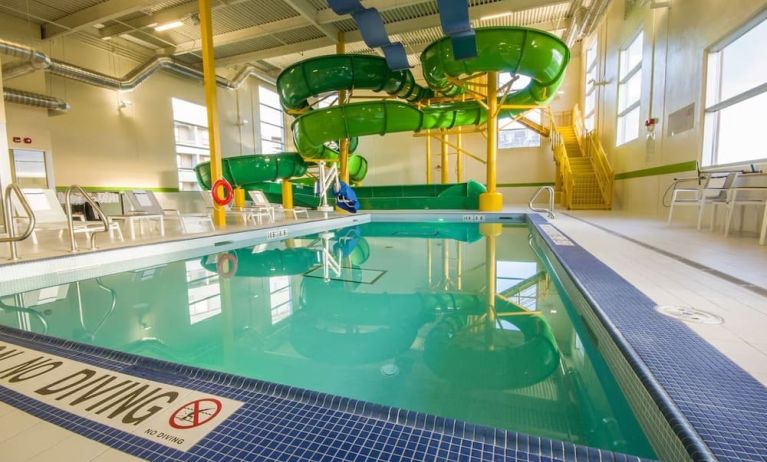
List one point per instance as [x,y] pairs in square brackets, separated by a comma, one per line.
[584,179]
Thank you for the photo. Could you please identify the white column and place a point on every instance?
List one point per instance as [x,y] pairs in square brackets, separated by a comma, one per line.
[5,155]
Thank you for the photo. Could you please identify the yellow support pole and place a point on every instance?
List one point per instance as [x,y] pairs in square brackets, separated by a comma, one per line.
[209,77]
[458,157]
[428,156]
[287,194]
[444,168]
[492,201]
[239,197]
[344,147]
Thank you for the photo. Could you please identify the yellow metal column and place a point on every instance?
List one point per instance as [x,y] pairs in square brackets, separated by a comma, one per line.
[209,72]
[344,147]
[458,157]
[491,231]
[287,194]
[491,201]
[445,168]
[428,156]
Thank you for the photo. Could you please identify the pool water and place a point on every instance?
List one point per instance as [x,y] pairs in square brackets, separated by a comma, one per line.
[392,313]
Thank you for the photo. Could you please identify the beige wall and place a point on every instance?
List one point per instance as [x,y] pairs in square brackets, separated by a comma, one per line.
[681,35]
[98,144]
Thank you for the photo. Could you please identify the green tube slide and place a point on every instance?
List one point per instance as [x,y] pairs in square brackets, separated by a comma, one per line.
[251,171]
[536,54]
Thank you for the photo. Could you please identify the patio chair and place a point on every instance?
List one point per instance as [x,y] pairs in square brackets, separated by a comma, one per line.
[260,201]
[244,213]
[50,216]
[145,202]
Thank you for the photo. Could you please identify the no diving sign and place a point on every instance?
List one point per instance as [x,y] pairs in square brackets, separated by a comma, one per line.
[173,416]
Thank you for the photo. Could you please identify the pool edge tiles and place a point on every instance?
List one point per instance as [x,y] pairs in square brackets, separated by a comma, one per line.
[28,275]
[276,422]
[716,410]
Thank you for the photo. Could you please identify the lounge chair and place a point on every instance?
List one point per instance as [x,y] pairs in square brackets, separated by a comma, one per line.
[260,201]
[244,213]
[50,216]
[145,203]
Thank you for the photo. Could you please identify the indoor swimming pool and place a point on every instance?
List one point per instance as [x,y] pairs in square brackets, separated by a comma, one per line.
[459,320]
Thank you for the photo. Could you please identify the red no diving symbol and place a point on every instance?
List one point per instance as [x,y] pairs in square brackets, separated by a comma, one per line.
[196,413]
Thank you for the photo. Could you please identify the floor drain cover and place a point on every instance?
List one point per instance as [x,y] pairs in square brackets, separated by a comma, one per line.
[689,314]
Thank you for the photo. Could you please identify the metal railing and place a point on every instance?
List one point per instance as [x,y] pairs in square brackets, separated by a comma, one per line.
[592,148]
[10,228]
[564,180]
[550,208]
[70,223]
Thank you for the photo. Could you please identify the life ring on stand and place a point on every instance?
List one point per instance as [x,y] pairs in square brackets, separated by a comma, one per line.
[221,266]
[228,195]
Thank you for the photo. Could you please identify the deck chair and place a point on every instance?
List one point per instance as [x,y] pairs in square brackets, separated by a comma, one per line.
[260,201]
[717,191]
[146,202]
[244,213]
[50,216]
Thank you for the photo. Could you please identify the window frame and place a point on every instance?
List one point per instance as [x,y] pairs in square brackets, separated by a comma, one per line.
[196,144]
[263,122]
[591,90]
[506,128]
[709,157]
[621,114]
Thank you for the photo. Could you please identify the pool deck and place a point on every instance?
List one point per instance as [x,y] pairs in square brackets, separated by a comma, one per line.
[714,383]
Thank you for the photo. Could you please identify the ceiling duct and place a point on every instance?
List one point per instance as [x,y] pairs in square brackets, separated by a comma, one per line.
[55,106]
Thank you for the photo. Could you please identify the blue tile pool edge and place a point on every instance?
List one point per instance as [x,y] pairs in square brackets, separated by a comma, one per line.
[696,445]
[514,446]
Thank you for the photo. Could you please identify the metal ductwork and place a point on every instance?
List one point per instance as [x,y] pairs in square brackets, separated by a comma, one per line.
[583,20]
[54,105]
[37,60]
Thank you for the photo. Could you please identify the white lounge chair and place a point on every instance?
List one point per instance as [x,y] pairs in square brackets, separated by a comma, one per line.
[50,216]
[260,201]
[145,203]
[244,213]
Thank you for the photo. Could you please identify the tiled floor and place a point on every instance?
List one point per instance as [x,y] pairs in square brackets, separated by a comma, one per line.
[670,282]
[663,278]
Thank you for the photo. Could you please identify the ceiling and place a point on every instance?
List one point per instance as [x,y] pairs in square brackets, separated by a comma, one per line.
[270,34]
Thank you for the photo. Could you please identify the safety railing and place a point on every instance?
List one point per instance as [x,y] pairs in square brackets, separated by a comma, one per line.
[564,182]
[70,223]
[12,239]
[550,209]
[602,168]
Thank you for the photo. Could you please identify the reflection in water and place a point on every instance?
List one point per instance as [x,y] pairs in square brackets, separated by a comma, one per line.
[428,318]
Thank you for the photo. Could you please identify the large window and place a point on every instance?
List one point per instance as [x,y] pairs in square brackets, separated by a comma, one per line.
[272,121]
[590,97]
[516,135]
[192,142]
[736,97]
[29,169]
[630,91]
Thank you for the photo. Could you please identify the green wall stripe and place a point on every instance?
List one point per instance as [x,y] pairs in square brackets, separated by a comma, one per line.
[118,188]
[522,185]
[662,170]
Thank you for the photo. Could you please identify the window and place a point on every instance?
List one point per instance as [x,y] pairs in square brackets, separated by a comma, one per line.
[630,90]
[515,135]
[29,168]
[517,281]
[272,121]
[192,141]
[590,98]
[203,291]
[736,97]
[279,298]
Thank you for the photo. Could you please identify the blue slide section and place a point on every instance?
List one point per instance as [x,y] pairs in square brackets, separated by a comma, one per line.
[371,26]
[454,16]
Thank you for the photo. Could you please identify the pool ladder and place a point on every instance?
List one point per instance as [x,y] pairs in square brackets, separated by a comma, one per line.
[550,208]
[12,239]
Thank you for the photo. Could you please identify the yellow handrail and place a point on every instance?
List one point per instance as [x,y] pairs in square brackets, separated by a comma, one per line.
[564,182]
[592,148]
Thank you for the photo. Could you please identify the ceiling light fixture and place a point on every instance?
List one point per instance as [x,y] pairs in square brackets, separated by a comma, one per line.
[168,26]
[495,16]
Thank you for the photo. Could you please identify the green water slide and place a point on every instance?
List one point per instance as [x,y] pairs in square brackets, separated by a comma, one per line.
[539,55]
[251,171]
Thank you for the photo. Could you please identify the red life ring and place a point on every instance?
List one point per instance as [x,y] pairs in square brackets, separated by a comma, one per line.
[220,265]
[228,192]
